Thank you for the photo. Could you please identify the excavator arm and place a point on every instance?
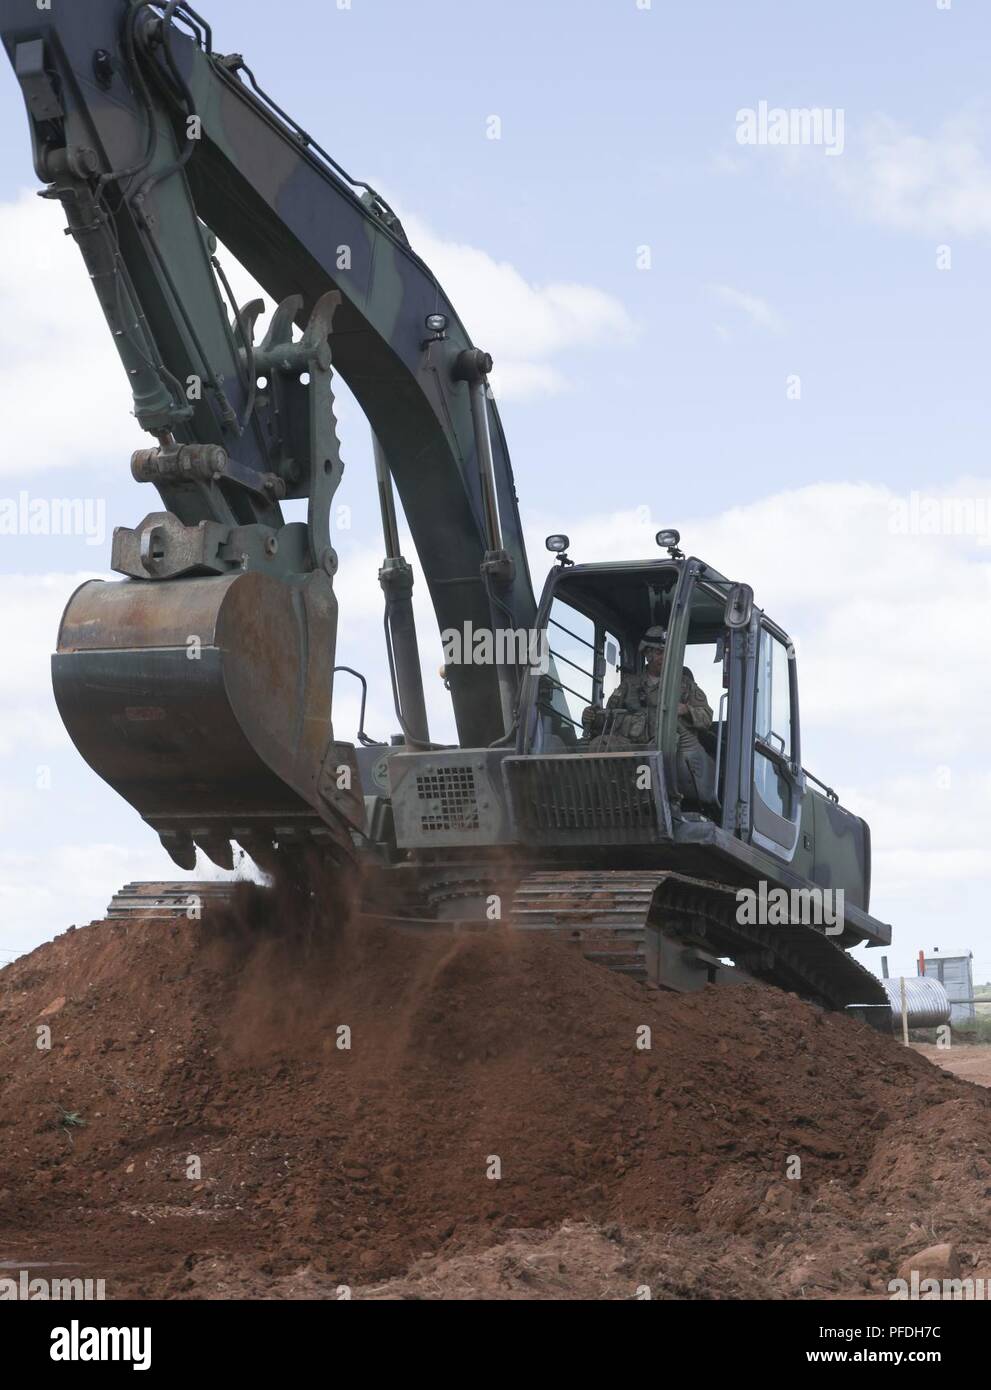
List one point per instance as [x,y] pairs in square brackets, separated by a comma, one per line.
[200,686]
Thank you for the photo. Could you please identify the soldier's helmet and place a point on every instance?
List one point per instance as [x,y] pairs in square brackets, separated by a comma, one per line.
[654,639]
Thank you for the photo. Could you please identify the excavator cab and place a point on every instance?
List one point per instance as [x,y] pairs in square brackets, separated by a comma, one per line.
[602,752]
[600,695]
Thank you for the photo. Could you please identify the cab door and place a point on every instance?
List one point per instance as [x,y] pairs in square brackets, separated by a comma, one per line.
[778,783]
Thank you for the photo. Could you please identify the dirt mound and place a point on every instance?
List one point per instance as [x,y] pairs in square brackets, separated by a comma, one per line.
[579,1261]
[227,1105]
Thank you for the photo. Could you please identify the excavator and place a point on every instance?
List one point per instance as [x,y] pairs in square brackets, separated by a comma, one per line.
[199,685]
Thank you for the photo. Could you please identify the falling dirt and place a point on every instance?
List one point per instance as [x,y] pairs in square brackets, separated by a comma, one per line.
[259,1105]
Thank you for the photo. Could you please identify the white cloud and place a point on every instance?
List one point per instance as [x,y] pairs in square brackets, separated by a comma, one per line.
[32,605]
[44,891]
[64,400]
[936,185]
[873,611]
[523,325]
[935,827]
[60,366]
[757,310]
[722,162]
[523,381]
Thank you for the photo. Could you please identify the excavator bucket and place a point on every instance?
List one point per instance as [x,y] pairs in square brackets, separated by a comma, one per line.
[206,703]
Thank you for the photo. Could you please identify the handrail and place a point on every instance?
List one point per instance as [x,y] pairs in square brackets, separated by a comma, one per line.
[719,737]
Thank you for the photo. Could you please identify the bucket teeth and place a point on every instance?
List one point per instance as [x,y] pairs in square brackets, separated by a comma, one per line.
[180,848]
[217,849]
[275,846]
[262,850]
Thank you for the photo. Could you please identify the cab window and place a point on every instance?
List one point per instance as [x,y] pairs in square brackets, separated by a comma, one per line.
[773,725]
[583,670]
[571,643]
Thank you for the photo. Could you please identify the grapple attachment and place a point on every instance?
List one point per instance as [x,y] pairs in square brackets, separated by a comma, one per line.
[206,703]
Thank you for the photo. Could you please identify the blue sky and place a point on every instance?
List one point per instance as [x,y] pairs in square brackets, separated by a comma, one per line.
[661,389]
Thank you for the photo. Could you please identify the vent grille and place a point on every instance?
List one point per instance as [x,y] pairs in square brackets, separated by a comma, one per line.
[582,793]
[448,799]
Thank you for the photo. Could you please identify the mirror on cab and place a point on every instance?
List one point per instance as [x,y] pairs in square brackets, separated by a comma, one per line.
[739,606]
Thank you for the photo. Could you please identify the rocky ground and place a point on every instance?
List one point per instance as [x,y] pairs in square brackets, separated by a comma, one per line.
[263,1105]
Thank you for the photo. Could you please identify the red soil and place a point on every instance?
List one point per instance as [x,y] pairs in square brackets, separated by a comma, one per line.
[321,1166]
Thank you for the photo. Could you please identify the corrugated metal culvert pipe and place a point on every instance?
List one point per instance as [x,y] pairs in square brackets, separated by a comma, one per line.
[927,1001]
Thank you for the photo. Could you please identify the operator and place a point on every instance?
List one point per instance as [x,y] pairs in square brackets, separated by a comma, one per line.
[629,720]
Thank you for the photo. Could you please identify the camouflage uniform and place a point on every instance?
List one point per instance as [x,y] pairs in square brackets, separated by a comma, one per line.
[630,721]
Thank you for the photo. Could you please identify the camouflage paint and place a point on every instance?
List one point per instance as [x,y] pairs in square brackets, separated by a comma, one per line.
[283,212]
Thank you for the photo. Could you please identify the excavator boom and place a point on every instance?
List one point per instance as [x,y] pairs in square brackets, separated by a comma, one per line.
[201,685]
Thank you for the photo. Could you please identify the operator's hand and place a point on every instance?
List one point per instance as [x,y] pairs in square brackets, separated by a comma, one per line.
[592,719]
[682,711]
